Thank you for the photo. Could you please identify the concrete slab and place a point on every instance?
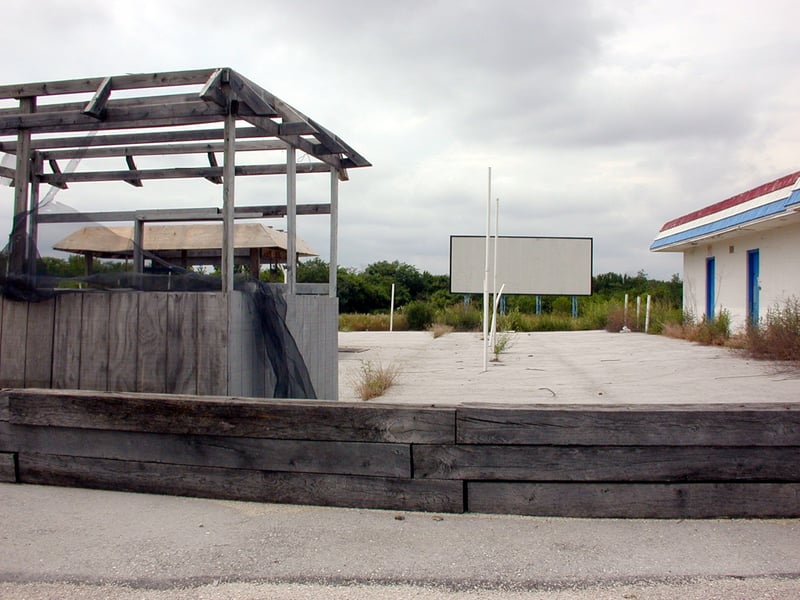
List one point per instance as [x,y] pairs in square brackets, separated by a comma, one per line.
[587,367]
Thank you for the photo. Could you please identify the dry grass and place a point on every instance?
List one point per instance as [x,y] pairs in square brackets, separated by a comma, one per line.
[440,329]
[374,379]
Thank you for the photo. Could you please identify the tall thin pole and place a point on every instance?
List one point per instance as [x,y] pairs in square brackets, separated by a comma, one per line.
[494,275]
[486,278]
[228,199]
[291,218]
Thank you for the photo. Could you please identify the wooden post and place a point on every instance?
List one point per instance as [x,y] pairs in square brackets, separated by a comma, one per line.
[33,235]
[228,202]
[138,245]
[334,254]
[291,218]
[22,179]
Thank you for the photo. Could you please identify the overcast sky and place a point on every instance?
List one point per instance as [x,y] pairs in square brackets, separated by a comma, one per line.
[599,118]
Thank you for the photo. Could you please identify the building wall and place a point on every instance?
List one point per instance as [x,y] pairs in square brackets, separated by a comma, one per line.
[779,273]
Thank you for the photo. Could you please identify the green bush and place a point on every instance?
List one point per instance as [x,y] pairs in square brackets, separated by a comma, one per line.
[419,315]
[460,317]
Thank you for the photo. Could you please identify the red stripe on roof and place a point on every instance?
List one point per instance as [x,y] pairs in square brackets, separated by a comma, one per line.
[767,188]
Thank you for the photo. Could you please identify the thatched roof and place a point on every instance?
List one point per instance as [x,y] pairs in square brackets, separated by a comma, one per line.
[203,240]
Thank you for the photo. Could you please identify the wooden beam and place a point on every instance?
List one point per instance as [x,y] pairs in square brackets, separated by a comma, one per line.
[22,180]
[161,149]
[116,118]
[96,107]
[121,82]
[182,214]
[228,200]
[56,169]
[334,234]
[8,174]
[135,182]
[77,144]
[212,90]
[291,219]
[212,161]
[179,173]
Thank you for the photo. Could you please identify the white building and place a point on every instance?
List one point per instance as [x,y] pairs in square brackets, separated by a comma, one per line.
[741,255]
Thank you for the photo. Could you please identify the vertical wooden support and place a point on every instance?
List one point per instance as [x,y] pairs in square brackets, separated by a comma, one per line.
[22,179]
[39,344]
[94,340]
[291,219]
[33,235]
[138,245]
[228,178]
[334,254]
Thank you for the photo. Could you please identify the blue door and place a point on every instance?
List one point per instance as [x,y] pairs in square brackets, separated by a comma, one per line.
[752,285]
[710,276]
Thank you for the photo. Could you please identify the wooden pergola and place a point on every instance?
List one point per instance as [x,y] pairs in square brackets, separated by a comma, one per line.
[166,115]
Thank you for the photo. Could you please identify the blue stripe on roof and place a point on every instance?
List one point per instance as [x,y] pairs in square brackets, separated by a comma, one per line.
[748,216]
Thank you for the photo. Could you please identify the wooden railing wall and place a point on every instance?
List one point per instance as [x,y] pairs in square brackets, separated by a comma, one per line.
[580,461]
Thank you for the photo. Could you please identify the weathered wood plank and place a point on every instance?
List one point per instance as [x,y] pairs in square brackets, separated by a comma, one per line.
[178,173]
[123,324]
[240,484]
[212,344]
[12,353]
[4,416]
[204,415]
[39,344]
[636,501]
[151,344]
[677,425]
[8,441]
[607,463]
[181,334]
[120,82]
[342,458]
[67,341]
[94,342]
[8,468]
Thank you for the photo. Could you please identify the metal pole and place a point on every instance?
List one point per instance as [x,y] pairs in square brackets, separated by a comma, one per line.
[486,278]
[391,311]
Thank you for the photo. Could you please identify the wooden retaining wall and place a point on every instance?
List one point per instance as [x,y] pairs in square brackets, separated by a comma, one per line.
[578,461]
[161,342]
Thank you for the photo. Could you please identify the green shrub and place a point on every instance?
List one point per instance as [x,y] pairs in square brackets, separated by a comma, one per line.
[460,317]
[419,315]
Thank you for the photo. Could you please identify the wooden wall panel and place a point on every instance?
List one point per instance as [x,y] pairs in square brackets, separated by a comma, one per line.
[12,352]
[8,470]
[313,322]
[637,501]
[202,415]
[39,344]
[151,351]
[243,484]
[632,425]
[94,342]
[297,456]
[181,334]
[123,333]
[212,344]
[607,463]
[67,341]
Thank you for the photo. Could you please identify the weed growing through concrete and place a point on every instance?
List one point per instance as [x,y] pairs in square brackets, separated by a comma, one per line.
[374,379]
[503,340]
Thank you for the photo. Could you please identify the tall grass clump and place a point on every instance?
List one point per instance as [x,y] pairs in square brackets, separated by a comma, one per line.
[711,332]
[777,337]
[461,317]
[374,379]
[371,322]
